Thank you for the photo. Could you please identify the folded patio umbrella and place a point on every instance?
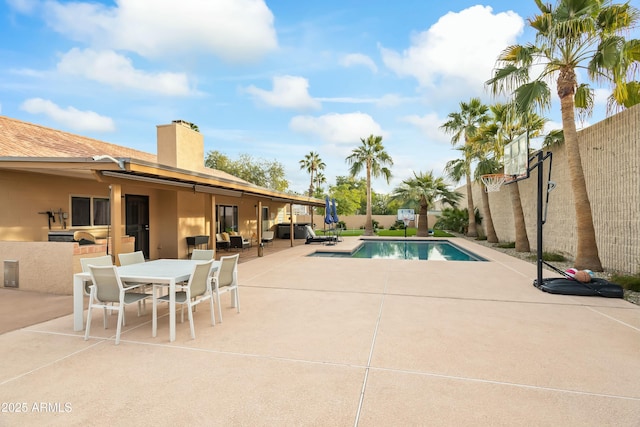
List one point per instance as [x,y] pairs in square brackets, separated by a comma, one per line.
[328,219]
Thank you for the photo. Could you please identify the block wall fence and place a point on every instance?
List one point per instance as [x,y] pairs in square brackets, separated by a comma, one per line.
[610,152]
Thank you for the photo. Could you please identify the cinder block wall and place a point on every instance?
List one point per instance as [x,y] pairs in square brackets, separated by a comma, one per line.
[610,152]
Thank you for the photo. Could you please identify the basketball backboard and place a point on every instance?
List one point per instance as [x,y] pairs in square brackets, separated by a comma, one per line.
[516,157]
[406,214]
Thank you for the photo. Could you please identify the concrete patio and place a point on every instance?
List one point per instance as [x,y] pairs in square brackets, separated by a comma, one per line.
[344,342]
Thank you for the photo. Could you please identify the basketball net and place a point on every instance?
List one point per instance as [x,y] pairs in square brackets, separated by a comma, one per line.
[493,182]
[406,221]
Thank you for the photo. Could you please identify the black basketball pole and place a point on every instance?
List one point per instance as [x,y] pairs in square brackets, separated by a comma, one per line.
[540,218]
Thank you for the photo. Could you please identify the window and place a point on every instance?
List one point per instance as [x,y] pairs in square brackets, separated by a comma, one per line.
[228,218]
[88,211]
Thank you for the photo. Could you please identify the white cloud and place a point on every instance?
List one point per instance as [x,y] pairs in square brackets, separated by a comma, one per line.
[429,125]
[461,47]
[337,128]
[69,117]
[354,59]
[601,96]
[288,92]
[235,30]
[23,6]
[110,68]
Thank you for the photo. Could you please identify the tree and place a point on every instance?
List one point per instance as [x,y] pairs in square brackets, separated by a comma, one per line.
[504,126]
[383,204]
[463,125]
[573,35]
[312,163]
[350,194]
[265,173]
[421,191]
[486,165]
[372,157]
[320,179]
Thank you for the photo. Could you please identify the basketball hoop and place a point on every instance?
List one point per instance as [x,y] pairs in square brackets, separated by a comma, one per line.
[493,181]
[406,221]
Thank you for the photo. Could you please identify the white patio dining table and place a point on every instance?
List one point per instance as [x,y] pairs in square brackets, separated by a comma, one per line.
[160,271]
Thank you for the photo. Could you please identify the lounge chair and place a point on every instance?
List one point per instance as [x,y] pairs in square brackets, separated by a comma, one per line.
[239,242]
[312,237]
[267,237]
[221,242]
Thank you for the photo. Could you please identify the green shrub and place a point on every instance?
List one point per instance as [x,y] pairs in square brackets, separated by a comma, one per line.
[631,283]
[456,220]
[506,245]
[549,257]
[553,256]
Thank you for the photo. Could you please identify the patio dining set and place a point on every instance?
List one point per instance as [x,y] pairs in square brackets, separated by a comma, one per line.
[177,282]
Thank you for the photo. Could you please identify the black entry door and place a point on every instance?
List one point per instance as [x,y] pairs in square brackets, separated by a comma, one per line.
[137,214]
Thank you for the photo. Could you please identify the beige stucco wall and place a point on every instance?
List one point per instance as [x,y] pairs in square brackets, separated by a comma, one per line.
[43,266]
[23,195]
[610,152]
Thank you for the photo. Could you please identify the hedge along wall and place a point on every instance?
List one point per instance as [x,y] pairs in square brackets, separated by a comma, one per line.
[610,152]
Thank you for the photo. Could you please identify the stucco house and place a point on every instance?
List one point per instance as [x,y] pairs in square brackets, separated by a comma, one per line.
[59,191]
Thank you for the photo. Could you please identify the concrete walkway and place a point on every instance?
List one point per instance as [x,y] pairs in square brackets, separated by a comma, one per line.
[344,342]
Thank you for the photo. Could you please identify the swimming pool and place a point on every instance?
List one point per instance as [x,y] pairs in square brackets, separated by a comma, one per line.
[430,250]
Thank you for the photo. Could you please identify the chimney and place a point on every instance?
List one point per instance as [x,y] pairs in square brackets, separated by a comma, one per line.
[180,146]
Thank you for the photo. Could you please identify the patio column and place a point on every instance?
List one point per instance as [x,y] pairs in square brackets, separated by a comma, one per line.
[292,228]
[210,219]
[115,201]
[259,227]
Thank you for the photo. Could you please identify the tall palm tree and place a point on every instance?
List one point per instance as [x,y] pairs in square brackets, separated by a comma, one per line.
[463,125]
[572,35]
[312,163]
[422,191]
[504,126]
[372,157]
[320,179]
[486,165]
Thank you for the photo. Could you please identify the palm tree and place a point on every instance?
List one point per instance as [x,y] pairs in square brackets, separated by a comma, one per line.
[486,165]
[372,157]
[422,191]
[575,34]
[320,179]
[503,127]
[463,125]
[312,163]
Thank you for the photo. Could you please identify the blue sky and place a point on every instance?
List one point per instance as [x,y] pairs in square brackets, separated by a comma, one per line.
[275,79]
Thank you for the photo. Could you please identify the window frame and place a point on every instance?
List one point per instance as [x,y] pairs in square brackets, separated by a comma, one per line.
[94,211]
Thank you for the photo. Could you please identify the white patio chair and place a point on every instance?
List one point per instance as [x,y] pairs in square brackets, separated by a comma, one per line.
[99,260]
[197,290]
[136,257]
[202,254]
[107,290]
[225,280]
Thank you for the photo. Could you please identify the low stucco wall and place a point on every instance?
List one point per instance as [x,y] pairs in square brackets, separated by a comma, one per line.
[49,266]
[42,266]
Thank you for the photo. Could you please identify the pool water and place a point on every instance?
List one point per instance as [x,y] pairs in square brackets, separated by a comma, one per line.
[431,250]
